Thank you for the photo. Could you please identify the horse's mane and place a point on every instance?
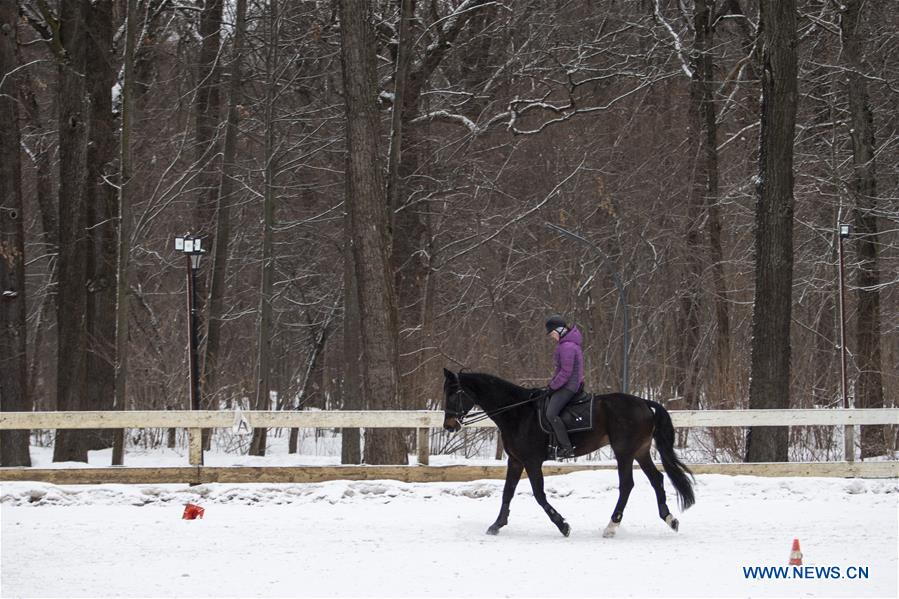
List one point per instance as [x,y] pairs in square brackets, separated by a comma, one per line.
[483,380]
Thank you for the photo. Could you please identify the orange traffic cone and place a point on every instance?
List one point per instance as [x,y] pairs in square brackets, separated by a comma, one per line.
[795,554]
[192,512]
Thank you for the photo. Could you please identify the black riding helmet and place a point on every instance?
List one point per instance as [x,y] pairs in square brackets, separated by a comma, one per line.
[554,322]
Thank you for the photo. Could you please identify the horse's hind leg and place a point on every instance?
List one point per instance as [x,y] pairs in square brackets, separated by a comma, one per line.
[535,475]
[625,484]
[513,475]
[658,484]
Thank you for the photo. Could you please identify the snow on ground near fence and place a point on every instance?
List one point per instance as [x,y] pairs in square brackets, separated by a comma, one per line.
[392,539]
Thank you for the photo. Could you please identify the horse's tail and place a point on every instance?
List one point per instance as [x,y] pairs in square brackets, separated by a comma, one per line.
[676,470]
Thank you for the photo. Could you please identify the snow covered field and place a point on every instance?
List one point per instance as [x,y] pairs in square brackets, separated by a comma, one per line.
[392,539]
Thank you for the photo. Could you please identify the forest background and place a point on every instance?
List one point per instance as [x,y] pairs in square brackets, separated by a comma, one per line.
[356,249]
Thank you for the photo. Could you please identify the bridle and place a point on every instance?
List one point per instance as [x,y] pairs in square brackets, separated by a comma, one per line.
[452,412]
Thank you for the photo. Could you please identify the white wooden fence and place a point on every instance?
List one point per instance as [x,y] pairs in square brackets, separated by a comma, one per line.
[423,421]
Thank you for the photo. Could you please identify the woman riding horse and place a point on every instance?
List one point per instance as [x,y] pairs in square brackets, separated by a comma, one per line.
[628,423]
[568,379]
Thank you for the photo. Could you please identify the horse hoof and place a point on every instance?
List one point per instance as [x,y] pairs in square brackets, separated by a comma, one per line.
[672,522]
[610,531]
[493,530]
[565,529]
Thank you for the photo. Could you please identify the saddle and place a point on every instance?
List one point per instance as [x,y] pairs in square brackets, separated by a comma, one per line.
[577,415]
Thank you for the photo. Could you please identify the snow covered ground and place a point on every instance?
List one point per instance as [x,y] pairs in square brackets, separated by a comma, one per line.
[389,539]
[392,539]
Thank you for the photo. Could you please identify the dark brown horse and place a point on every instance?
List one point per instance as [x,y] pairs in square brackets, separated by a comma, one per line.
[627,423]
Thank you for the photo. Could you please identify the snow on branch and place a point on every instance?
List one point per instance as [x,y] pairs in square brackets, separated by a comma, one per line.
[678,45]
[451,21]
[448,117]
[460,120]
[566,111]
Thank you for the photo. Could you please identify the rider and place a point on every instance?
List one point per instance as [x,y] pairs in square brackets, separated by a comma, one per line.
[568,378]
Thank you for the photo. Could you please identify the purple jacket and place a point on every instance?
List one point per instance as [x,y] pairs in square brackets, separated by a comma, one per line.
[569,360]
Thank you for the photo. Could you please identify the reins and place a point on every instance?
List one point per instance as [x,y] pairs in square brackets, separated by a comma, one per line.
[484,415]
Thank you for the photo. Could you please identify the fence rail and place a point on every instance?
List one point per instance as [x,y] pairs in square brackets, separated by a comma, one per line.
[411,418]
[423,420]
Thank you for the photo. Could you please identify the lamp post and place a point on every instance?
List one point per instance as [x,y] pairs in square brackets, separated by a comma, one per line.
[622,298]
[192,248]
[849,430]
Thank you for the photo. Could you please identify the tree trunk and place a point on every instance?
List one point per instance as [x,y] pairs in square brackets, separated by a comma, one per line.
[869,388]
[688,371]
[14,396]
[312,366]
[102,210]
[366,203]
[43,161]
[409,231]
[769,385]
[707,129]
[353,397]
[41,368]
[207,112]
[124,245]
[71,298]
[404,50]
[216,301]
[207,109]
[723,388]
[264,346]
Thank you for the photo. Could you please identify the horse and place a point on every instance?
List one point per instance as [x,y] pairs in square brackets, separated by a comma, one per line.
[626,422]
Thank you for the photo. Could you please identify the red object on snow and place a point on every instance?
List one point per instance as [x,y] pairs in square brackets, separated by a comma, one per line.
[192,512]
[795,554]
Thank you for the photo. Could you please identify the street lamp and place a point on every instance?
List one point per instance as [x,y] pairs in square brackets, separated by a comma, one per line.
[192,247]
[622,298]
[845,231]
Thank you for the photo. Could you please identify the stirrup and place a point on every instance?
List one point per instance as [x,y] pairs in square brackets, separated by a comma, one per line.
[564,452]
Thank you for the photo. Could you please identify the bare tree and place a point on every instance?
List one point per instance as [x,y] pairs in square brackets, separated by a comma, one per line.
[226,192]
[123,252]
[207,109]
[102,211]
[706,182]
[14,395]
[264,343]
[410,224]
[366,204]
[74,246]
[39,151]
[207,116]
[403,51]
[869,388]
[770,376]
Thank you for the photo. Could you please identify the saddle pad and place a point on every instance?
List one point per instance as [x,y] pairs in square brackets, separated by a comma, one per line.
[577,415]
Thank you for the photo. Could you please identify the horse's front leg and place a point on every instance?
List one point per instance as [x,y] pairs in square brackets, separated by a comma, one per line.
[535,475]
[513,475]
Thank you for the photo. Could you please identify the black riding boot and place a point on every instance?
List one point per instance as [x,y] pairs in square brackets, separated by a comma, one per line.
[565,450]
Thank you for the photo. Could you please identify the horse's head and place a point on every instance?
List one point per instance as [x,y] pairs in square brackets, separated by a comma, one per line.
[456,400]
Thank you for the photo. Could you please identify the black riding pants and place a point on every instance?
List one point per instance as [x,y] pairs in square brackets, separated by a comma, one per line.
[557,403]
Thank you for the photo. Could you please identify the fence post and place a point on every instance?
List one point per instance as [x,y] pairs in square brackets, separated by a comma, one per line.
[195,442]
[424,446]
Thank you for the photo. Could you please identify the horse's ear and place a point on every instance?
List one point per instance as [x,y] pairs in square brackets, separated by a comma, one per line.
[448,374]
